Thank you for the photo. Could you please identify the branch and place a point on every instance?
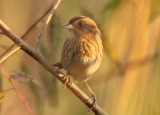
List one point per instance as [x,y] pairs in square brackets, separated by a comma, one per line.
[9,54]
[46,21]
[49,67]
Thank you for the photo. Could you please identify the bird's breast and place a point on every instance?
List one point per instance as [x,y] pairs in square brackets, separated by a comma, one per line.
[82,68]
[82,58]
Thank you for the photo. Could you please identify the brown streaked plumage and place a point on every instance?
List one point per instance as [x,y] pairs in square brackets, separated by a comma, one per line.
[82,50]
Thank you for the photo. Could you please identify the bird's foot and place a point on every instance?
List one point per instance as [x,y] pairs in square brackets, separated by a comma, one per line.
[93,98]
[58,65]
[67,80]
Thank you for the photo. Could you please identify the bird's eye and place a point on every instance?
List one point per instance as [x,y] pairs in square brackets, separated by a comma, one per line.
[81,24]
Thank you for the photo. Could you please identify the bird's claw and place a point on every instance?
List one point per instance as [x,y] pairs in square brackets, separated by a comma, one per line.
[94,103]
[67,80]
[93,98]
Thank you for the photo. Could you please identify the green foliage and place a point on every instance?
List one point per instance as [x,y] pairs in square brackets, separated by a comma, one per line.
[56,39]
[111,5]
[4,47]
[52,91]
[155,9]
[149,104]
[2,94]
[43,50]
[24,68]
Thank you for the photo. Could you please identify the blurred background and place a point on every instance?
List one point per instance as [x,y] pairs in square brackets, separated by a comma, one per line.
[128,81]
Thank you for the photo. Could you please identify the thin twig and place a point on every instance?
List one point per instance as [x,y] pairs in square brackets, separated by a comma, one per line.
[12,49]
[9,54]
[8,89]
[49,67]
[18,93]
[46,21]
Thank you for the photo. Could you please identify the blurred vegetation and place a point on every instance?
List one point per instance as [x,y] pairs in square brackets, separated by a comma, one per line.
[128,81]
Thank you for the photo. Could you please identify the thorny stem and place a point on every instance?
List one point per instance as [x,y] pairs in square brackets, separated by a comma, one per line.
[8,89]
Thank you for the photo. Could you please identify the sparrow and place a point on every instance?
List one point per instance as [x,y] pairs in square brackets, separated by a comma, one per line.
[82,51]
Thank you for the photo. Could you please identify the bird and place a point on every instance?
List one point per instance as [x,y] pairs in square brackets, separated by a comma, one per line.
[82,51]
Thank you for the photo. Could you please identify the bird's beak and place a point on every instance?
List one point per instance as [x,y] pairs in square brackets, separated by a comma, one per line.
[68,26]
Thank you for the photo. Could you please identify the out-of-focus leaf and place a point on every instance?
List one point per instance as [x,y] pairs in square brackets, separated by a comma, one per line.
[150,103]
[52,93]
[37,95]
[37,83]
[24,68]
[43,50]
[112,53]
[2,94]
[0,82]
[51,89]
[21,77]
[0,87]
[155,9]
[4,47]
[55,39]
[109,6]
